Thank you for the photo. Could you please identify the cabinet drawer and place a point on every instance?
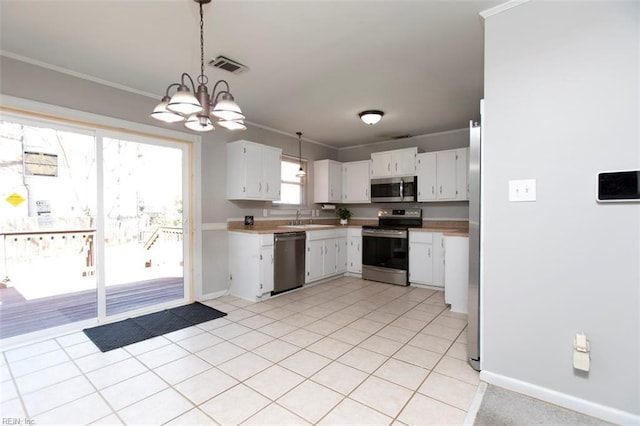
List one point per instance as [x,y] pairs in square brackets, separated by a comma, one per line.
[266,239]
[354,232]
[321,235]
[420,237]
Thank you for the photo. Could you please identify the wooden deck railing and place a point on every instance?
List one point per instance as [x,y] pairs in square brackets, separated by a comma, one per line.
[27,246]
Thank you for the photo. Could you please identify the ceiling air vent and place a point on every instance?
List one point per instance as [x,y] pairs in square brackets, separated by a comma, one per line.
[228,65]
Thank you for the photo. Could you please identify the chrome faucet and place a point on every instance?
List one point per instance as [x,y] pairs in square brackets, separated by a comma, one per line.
[298,217]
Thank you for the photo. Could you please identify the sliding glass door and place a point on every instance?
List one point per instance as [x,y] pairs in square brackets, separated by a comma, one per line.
[143,224]
[92,225]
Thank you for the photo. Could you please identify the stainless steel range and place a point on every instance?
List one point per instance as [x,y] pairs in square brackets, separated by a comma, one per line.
[385,248]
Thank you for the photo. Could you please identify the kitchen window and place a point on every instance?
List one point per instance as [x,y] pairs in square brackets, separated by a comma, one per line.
[291,186]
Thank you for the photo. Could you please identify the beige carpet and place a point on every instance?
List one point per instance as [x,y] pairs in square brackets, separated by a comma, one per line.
[503,407]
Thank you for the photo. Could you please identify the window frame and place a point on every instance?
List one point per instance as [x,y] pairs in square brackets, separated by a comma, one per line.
[303,182]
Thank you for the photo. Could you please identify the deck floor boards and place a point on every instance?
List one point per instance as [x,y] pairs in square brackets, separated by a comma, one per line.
[20,316]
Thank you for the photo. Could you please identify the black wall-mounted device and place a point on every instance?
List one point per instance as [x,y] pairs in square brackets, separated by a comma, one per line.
[619,186]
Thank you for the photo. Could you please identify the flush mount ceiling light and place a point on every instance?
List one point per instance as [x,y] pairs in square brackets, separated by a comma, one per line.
[198,110]
[301,172]
[371,116]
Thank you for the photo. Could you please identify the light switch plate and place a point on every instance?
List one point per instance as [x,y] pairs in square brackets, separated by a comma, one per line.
[522,190]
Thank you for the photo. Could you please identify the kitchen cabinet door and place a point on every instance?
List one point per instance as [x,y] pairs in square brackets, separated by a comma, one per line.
[438,259]
[271,167]
[327,181]
[462,174]
[253,171]
[314,260]
[244,265]
[342,253]
[404,162]
[446,175]
[421,263]
[381,164]
[399,162]
[330,257]
[354,251]
[356,182]
[426,172]
[266,270]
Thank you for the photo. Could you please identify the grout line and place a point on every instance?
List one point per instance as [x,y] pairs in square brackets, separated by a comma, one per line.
[377,296]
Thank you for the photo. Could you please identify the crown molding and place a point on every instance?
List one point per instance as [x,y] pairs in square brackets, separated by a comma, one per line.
[502,8]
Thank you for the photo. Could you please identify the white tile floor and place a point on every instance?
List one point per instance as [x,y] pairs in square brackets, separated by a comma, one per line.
[343,352]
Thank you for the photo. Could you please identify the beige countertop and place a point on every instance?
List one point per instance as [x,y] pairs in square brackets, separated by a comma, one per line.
[447,227]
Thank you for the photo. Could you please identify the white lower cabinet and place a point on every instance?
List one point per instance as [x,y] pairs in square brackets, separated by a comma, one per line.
[250,265]
[326,254]
[354,250]
[266,268]
[456,273]
[425,258]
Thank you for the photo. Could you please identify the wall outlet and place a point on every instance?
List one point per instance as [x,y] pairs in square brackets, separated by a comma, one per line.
[522,190]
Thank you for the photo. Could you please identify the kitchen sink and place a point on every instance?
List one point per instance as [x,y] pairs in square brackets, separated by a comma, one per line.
[307,226]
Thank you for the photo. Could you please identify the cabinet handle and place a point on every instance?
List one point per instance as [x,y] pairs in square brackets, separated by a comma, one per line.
[388,167]
[429,252]
[260,187]
[440,189]
[396,167]
[267,187]
[433,189]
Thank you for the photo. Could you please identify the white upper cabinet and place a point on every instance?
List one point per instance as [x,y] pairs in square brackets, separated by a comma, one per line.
[253,171]
[327,181]
[426,172]
[355,182]
[271,172]
[399,162]
[443,175]
[446,175]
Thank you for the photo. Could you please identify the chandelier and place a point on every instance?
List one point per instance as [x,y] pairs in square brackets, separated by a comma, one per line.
[197,111]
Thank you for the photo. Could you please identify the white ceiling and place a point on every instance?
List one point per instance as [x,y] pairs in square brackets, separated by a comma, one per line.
[313,64]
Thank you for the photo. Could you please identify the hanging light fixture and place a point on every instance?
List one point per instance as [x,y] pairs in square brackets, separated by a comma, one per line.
[197,107]
[371,116]
[301,172]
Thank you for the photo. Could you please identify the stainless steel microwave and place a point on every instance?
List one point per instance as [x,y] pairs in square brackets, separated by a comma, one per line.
[394,190]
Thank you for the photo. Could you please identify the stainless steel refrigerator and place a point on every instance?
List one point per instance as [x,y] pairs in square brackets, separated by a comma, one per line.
[473,328]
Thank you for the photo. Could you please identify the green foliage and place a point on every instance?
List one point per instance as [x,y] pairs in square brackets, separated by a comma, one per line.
[343,213]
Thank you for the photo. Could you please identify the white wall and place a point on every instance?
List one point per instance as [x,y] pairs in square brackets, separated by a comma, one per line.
[561,93]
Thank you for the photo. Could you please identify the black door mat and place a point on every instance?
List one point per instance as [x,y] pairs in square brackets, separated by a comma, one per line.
[133,330]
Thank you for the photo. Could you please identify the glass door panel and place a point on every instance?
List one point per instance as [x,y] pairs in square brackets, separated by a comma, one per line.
[47,227]
[143,230]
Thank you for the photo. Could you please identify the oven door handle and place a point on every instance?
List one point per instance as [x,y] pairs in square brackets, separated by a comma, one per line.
[401,189]
[384,233]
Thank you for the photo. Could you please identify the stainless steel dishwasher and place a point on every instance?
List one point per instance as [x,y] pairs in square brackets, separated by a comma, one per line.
[289,261]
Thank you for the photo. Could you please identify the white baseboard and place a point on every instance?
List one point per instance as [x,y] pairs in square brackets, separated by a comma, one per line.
[213,295]
[570,402]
